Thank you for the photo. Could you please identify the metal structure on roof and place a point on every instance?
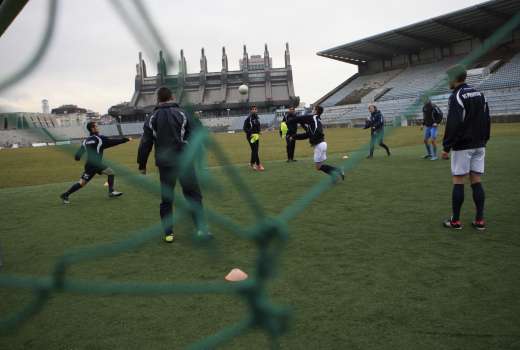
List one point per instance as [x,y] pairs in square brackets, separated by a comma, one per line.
[216,93]
[478,21]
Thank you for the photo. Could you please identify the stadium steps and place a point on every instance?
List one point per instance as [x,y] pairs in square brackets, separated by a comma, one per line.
[375,94]
[415,80]
[501,103]
[355,96]
[507,76]
[372,81]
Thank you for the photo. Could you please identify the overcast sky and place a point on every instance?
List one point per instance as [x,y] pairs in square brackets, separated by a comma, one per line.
[91,61]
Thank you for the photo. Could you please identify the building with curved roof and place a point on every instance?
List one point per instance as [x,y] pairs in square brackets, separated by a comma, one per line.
[400,66]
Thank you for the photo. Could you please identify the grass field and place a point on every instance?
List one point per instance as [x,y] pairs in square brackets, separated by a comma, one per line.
[367,265]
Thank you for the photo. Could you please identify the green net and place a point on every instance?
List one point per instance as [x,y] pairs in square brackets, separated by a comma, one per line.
[269,233]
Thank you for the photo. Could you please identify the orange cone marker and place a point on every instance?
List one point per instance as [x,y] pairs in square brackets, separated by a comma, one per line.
[236,275]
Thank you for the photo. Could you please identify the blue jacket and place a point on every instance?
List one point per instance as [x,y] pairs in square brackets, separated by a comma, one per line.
[468,123]
[376,121]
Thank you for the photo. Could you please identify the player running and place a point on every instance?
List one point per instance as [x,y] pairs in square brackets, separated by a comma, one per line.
[252,129]
[467,133]
[432,117]
[376,123]
[314,132]
[94,145]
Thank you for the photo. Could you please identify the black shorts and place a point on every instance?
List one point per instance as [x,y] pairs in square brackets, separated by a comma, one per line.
[90,172]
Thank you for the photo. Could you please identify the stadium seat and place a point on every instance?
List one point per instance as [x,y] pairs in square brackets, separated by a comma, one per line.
[507,76]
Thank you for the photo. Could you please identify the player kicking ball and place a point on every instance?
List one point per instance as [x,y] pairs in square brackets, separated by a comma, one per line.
[314,132]
[94,145]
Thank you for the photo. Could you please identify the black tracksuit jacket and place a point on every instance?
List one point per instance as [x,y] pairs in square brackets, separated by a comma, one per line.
[429,117]
[376,121]
[292,124]
[94,145]
[468,123]
[251,125]
[168,129]
[313,127]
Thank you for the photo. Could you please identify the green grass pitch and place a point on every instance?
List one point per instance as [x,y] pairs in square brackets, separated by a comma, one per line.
[367,265]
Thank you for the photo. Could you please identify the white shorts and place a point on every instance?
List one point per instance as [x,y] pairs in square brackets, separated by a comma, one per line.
[468,160]
[320,152]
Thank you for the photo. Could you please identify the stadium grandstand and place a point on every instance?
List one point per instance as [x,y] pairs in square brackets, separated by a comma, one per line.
[27,129]
[397,67]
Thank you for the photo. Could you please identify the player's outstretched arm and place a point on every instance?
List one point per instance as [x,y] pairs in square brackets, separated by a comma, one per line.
[301,136]
[304,119]
[107,143]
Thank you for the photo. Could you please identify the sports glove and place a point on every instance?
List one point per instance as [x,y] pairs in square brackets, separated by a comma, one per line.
[254,138]
[283,129]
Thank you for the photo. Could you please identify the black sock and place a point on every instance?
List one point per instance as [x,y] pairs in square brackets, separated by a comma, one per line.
[428,149]
[111,183]
[479,198]
[385,147]
[457,198]
[328,169]
[73,189]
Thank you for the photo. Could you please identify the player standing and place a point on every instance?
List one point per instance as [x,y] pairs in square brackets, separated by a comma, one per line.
[314,132]
[467,133]
[291,129]
[94,145]
[252,129]
[169,129]
[432,117]
[376,123]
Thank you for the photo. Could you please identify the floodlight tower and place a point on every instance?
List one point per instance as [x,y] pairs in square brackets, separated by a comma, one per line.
[45,106]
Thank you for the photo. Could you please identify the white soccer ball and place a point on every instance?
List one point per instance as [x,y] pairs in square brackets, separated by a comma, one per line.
[243,89]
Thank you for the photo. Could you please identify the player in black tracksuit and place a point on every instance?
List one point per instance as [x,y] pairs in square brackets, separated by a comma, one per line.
[252,129]
[292,128]
[467,133]
[432,117]
[94,145]
[376,123]
[314,132]
[169,129]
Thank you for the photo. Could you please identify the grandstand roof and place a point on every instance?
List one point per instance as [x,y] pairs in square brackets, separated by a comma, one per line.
[478,21]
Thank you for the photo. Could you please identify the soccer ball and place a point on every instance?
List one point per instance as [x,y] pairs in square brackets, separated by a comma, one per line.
[243,89]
